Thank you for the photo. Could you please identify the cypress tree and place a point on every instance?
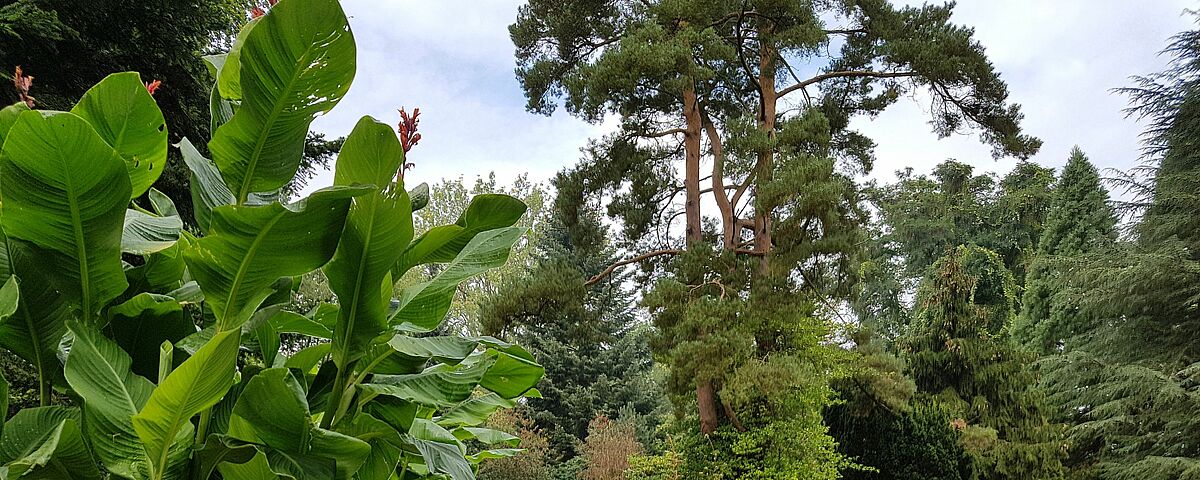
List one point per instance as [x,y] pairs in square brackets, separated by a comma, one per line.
[960,356]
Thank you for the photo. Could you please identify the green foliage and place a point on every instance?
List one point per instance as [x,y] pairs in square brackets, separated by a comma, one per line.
[1080,221]
[162,397]
[960,356]
[654,467]
[916,443]
[1127,380]
[925,215]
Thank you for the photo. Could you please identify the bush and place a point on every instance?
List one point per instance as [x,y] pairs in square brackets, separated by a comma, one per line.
[608,447]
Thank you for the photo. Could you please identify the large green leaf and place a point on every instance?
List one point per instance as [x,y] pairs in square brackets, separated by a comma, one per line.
[144,234]
[46,443]
[126,116]
[8,116]
[474,411]
[198,384]
[423,306]
[511,376]
[256,469]
[249,248]
[386,447]
[35,330]
[65,191]
[143,323]
[378,228]
[440,450]
[439,386]
[99,371]
[441,244]
[272,411]
[295,64]
[207,186]
[219,449]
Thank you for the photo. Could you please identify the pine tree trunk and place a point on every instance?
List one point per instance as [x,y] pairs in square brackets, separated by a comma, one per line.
[706,398]
[766,157]
[691,146]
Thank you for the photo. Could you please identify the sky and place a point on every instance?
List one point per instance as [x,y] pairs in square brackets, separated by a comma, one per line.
[454,60]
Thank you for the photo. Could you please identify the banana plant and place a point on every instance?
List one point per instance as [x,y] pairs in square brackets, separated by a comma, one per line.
[101,285]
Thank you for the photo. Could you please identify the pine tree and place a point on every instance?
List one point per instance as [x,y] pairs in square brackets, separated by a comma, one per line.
[961,357]
[748,295]
[1080,221]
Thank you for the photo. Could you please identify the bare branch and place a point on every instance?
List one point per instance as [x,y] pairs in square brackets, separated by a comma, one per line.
[844,74]
[640,258]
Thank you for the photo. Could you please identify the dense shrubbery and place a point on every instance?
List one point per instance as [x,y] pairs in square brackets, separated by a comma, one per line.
[158,396]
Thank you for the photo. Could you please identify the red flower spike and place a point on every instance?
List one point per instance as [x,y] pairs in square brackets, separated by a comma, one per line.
[23,83]
[408,128]
[257,12]
[153,86]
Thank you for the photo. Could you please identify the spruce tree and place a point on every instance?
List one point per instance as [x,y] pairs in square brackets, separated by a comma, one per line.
[961,356]
[1080,221]
[596,352]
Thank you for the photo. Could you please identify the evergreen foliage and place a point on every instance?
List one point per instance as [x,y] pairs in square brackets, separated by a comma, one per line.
[1130,382]
[1080,221]
[960,356]
[596,352]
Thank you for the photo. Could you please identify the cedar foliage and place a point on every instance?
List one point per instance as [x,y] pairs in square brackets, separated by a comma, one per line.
[1129,382]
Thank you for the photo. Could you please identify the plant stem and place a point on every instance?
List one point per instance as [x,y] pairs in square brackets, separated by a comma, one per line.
[335,396]
[43,391]
[202,429]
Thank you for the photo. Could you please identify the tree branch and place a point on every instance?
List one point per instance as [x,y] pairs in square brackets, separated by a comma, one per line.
[640,258]
[844,74]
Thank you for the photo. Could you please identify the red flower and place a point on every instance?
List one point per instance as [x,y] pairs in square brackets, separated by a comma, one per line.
[408,133]
[257,12]
[153,86]
[23,83]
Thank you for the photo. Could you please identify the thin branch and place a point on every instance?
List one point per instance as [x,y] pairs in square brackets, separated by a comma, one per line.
[640,258]
[844,74]
[663,133]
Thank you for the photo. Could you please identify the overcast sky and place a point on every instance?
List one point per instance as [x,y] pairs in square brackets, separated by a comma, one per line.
[454,60]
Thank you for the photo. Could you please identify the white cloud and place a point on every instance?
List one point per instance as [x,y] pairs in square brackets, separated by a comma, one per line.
[454,60]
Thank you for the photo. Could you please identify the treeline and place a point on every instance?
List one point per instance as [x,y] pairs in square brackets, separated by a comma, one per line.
[950,325]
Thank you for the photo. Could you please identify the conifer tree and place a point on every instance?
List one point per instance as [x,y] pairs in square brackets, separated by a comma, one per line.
[960,355]
[1080,221]
[1130,383]
[698,82]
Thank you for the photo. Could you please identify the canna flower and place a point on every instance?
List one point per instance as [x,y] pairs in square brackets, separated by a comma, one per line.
[257,12]
[153,86]
[408,134]
[23,83]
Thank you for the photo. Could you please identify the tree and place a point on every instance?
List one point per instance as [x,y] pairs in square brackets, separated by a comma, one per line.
[1079,221]
[595,350]
[922,215]
[961,357]
[1127,382]
[693,80]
